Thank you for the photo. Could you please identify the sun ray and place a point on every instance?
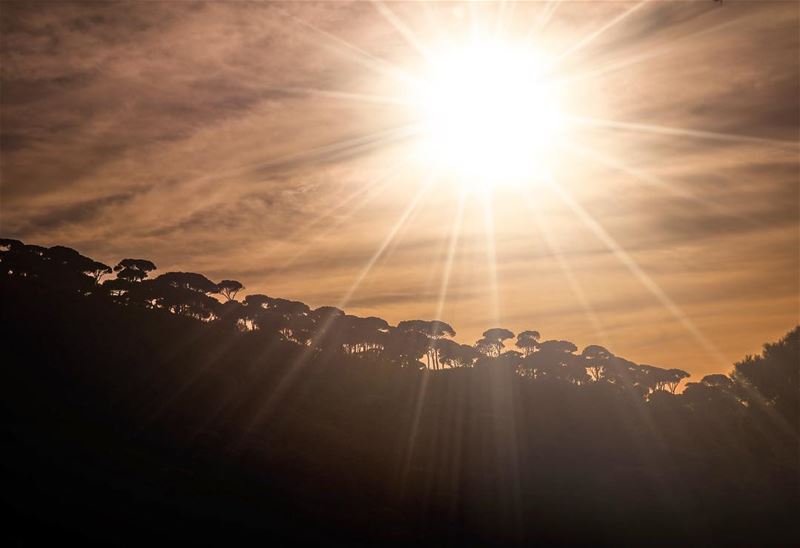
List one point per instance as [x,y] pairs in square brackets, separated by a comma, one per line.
[624,257]
[338,149]
[503,15]
[305,357]
[491,255]
[346,95]
[641,57]
[591,37]
[683,132]
[390,249]
[410,445]
[543,18]
[656,182]
[575,286]
[451,251]
[360,56]
[407,33]
[329,152]
[341,147]
[387,241]
[362,197]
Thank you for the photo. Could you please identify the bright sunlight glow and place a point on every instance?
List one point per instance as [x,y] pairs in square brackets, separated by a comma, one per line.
[488,114]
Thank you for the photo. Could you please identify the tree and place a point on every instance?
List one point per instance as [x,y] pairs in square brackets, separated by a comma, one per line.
[717,392]
[21,260]
[774,375]
[528,342]
[718,380]
[9,243]
[134,270]
[491,343]
[648,378]
[254,306]
[232,314]
[58,266]
[97,270]
[596,359]
[405,347]
[510,359]
[453,354]
[556,360]
[325,313]
[434,331]
[229,289]
[291,319]
[362,334]
[189,280]
[325,331]
[71,264]
[183,293]
[674,378]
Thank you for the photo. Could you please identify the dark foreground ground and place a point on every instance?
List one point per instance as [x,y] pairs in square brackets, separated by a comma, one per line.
[124,426]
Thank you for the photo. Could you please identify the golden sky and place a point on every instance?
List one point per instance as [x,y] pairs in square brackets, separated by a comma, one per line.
[265,142]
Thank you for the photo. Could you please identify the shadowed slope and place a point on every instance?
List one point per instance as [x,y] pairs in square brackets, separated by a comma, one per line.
[128,424]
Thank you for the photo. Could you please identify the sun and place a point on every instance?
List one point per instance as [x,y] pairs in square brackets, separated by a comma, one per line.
[488,114]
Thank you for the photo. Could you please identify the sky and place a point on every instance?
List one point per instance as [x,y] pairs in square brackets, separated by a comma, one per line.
[269,143]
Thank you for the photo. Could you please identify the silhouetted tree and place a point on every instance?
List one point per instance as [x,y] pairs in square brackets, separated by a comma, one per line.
[229,289]
[774,375]
[596,359]
[97,270]
[292,319]
[405,347]
[7,244]
[528,342]
[183,293]
[327,333]
[18,259]
[510,359]
[134,270]
[453,354]
[718,380]
[21,260]
[491,344]
[674,378]
[714,392]
[434,331]
[656,378]
[556,360]
[362,335]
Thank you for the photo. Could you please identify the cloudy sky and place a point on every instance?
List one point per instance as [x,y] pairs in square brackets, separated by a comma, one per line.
[265,142]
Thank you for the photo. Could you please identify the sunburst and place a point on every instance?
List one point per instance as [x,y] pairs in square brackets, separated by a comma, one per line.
[488,108]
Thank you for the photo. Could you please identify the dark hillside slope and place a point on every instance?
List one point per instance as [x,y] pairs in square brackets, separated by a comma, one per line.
[124,425]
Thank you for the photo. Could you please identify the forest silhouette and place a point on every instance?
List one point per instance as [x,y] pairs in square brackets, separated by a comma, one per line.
[140,406]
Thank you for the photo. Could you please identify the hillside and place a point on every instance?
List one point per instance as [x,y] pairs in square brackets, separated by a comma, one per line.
[126,423]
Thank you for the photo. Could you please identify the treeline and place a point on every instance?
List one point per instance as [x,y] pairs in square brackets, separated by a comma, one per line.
[329,329]
[414,344]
